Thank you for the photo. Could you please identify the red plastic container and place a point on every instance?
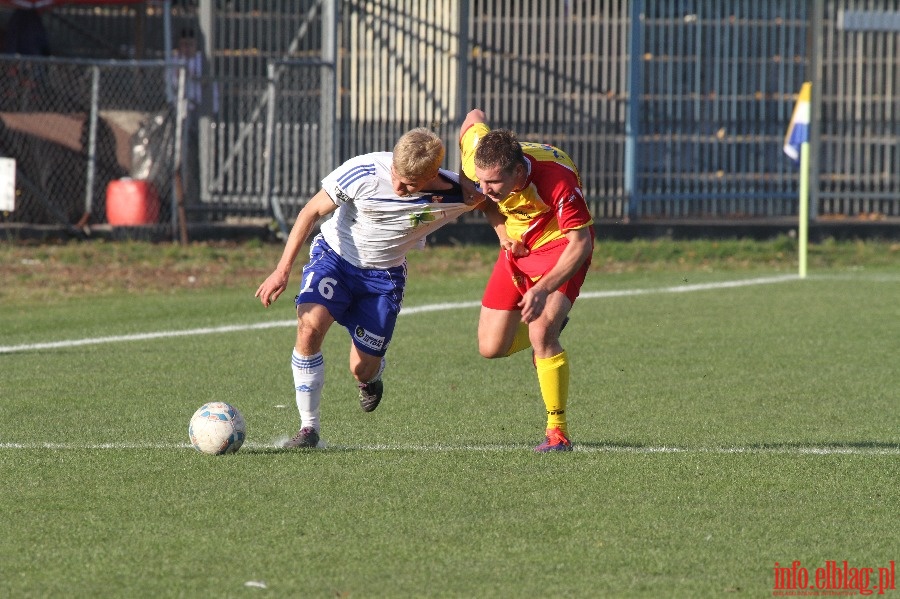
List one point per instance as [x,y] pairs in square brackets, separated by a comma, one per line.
[131,202]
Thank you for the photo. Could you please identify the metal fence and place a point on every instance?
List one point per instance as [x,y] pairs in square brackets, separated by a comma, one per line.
[856,138]
[672,110]
[74,127]
[713,87]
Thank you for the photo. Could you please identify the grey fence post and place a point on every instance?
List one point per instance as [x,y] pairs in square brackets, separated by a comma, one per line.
[816,52]
[167,46]
[328,133]
[92,146]
[269,151]
[632,125]
[178,171]
[462,67]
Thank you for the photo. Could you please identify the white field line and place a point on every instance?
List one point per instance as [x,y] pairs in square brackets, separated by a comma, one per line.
[5,349]
[441,448]
[858,275]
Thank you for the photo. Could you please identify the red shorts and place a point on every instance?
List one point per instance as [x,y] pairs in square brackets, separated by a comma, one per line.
[512,277]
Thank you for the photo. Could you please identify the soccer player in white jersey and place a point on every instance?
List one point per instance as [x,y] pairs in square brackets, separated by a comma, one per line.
[383,205]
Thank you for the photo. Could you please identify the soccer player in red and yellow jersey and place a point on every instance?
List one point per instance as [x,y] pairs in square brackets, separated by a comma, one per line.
[546,241]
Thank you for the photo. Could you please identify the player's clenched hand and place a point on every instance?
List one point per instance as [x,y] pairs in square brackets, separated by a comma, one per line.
[472,196]
[272,288]
[533,303]
[516,248]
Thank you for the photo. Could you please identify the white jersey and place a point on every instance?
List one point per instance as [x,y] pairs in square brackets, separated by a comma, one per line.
[373,227]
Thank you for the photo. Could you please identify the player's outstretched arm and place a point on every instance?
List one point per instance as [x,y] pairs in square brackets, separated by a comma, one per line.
[476,115]
[472,196]
[275,284]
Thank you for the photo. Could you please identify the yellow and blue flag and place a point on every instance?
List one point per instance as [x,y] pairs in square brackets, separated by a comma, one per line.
[798,129]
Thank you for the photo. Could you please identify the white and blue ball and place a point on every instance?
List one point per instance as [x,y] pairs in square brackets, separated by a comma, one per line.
[217,428]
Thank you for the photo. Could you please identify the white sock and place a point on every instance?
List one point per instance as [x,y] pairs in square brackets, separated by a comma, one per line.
[309,378]
[380,370]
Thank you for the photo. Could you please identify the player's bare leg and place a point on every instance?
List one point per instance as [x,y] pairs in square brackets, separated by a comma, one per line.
[544,332]
[313,322]
[497,333]
[367,370]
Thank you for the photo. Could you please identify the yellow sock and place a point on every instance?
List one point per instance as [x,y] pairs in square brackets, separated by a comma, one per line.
[553,378]
[520,341]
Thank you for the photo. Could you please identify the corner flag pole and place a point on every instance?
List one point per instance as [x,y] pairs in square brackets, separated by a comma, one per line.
[796,146]
[803,225]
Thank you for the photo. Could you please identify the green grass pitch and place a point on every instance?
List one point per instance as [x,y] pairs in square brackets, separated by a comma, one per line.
[718,431]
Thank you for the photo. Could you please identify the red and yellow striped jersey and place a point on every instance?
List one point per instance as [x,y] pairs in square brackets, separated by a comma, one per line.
[552,201]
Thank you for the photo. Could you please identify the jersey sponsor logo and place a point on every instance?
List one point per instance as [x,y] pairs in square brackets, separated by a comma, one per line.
[574,196]
[518,280]
[545,147]
[342,195]
[570,199]
[420,218]
[436,199]
[525,212]
[368,338]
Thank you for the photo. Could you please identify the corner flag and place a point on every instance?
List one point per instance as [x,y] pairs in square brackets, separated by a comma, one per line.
[796,146]
[798,129]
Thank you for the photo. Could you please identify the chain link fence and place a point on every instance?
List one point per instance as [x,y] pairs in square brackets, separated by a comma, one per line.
[77,128]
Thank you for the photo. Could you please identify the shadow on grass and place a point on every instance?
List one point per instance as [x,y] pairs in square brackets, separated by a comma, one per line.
[798,447]
[829,445]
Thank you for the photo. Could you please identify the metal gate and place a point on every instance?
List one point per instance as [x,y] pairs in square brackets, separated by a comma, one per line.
[267,148]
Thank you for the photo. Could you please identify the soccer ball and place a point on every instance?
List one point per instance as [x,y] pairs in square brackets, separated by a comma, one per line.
[217,428]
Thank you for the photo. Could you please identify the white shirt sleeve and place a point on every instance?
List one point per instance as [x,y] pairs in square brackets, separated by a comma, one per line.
[373,227]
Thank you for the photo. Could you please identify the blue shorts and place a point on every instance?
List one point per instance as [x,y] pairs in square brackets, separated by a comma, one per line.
[364,300]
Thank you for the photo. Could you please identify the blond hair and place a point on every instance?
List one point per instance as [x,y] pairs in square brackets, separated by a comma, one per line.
[418,153]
